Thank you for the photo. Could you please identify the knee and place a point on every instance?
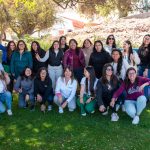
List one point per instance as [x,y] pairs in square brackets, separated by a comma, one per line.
[142,100]
[8,95]
[130,112]
[2,109]
[55,99]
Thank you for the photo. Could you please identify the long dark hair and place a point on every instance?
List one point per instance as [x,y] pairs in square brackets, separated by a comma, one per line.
[9,51]
[91,72]
[98,41]
[77,50]
[38,48]
[143,45]
[120,60]
[113,78]
[23,75]
[85,41]
[22,41]
[2,75]
[107,40]
[127,80]
[52,46]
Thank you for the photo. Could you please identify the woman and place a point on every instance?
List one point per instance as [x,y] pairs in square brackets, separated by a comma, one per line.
[130,55]
[43,90]
[99,58]
[135,100]
[87,49]
[54,57]
[74,58]
[21,58]
[5,95]
[25,87]
[144,54]
[87,100]
[62,43]
[106,87]
[110,43]
[65,91]
[36,49]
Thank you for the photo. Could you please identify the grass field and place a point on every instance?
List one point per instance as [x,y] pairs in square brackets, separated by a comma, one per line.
[27,130]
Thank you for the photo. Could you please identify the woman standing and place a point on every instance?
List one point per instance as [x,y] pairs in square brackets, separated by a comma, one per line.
[74,58]
[135,100]
[99,58]
[36,49]
[65,91]
[87,49]
[106,87]
[21,59]
[54,56]
[110,43]
[62,43]
[43,90]
[87,100]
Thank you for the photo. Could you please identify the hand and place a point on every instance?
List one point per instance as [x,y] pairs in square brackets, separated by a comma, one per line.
[112,103]
[102,108]
[27,97]
[132,57]
[141,88]
[81,100]
[64,104]
[39,98]
[37,56]
[145,73]
[88,101]
[20,90]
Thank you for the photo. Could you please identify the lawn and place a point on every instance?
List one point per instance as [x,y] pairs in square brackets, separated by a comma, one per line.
[27,130]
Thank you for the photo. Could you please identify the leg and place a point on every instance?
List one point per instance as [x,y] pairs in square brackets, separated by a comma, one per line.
[32,100]
[51,72]
[130,108]
[140,104]
[90,107]
[78,74]
[58,73]
[50,100]
[2,107]
[72,104]
[8,99]
[22,102]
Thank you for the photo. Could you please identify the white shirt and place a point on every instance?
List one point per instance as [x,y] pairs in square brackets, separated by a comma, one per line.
[2,86]
[1,67]
[83,82]
[66,90]
[108,49]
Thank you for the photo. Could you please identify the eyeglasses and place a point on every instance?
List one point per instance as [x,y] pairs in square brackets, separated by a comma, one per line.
[111,38]
[12,45]
[147,38]
[21,44]
[133,73]
[108,69]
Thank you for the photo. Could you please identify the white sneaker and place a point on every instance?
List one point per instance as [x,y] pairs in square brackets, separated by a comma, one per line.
[114,117]
[49,107]
[117,107]
[9,112]
[136,120]
[123,108]
[61,110]
[105,113]
[71,110]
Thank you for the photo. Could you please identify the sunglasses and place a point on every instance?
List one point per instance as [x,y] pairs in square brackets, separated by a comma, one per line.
[111,38]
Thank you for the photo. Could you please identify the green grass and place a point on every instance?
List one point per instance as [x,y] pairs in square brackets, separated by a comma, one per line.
[27,130]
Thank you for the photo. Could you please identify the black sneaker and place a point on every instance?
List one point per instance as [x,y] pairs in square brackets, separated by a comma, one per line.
[26,106]
[32,108]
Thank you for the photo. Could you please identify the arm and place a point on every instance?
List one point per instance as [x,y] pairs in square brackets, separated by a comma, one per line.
[17,84]
[3,48]
[31,91]
[30,60]
[36,91]
[7,78]
[136,58]
[58,85]
[44,59]
[65,58]
[12,69]
[90,60]
[82,58]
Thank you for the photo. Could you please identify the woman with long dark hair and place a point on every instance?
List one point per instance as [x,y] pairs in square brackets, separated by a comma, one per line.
[106,87]
[110,43]
[87,49]
[74,58]
[87,100]
[54,56]
[65,91]
[43,90]
[99,58]
[135,100]
[130,55]
[144,54]
[25,87]
[36,49]
[62,43]
[21,59]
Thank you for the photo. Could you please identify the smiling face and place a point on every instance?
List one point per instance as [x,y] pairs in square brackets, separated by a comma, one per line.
[12,46]
[115,56]
[146,40]
[68,73]
[98,46]
[126,46]
[63,41]
[21,46]
[87,44]
[111,40]
[132,75]
[109,71]
[28,72]
[56,45]
[43,74]
[72,45]
[34,46]
[86,73]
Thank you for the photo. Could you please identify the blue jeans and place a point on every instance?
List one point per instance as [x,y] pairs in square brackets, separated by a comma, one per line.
[22,102]
[134,108]
[7,99]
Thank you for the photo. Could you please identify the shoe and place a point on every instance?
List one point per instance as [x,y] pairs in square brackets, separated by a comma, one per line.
[32,108]
[71,110]
[114,117]
[105,113]
[136,120]
[26,106]
[49,107]
[83,112]
[9,112]
[117,107]
[123,108]
[93,112]
[61,111]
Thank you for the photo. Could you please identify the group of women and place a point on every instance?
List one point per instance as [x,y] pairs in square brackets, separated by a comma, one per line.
[108,77]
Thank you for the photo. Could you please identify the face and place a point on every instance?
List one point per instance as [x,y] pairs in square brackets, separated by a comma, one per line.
[21,46]
[63,41]
[86,73]
[28,72]
[34,46]
[56,45]
[132,75]
[111,39]
[109,71]
[126,46]
[98,47]
[87,44]
[12,46]
[115,56]
[68,73]
[146,40]
[73,45]
[43,74]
